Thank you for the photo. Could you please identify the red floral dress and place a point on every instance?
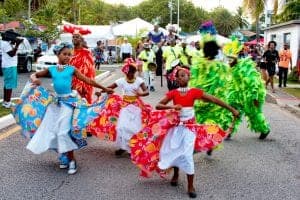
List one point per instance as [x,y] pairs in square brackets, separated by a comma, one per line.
[83,61]
[146,144]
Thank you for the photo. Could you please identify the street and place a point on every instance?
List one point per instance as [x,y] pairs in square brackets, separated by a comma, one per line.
[246,168]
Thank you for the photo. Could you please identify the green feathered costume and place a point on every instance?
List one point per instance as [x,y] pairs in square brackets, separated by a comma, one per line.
[213,78]
[247,93]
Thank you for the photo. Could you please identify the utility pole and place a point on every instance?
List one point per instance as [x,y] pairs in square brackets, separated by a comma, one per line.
[29,9]
[170,5]
[178,16]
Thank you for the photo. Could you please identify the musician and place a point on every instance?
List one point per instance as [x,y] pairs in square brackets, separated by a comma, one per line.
[148,58]
[196,54]
[170,54]
[184,54]
[156,38]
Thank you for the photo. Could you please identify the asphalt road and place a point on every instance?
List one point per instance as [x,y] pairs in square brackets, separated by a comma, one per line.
[246,168]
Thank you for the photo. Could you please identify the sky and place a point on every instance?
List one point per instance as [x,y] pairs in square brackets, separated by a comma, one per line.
[231,5]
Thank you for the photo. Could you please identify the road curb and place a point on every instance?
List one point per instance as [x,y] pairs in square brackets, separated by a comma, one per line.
[294,109]
[9,120]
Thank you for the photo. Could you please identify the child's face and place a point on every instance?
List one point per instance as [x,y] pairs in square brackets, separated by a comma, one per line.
[64,56]
[182,78]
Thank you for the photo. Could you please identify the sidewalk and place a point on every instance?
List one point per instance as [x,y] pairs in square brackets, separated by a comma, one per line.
[285,100]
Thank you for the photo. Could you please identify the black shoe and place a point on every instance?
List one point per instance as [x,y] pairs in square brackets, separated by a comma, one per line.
[263,135]
[279,85]
[209,152]
[119,152]
[152,89]
[89,135]
[174,183]
[192,194]
[228,137]
[284,86]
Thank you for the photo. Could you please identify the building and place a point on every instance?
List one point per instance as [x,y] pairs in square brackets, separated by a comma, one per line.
[288,32]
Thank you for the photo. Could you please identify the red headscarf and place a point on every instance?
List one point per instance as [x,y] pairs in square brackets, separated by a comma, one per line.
[175,71]
[75,30]
[128,62]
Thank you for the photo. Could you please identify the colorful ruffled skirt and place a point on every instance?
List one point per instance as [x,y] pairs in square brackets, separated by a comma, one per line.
[168,141]
[120,119]
[54,122]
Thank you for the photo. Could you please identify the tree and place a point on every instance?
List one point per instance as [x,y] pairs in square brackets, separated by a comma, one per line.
[223,20]
[255,8]
[291,11]
[240,20]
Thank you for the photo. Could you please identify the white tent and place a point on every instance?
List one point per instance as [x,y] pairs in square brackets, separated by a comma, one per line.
[133,28]
[103,32]
[220,39]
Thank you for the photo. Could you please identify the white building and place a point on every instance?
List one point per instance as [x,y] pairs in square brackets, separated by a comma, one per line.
[288,32]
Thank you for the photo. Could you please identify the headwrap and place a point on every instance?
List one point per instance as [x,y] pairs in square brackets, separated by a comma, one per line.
[208,32]
[175,71]
[128,62]
[57,48]
[76,30]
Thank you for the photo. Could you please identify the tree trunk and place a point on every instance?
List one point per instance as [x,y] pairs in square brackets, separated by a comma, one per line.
[257,30]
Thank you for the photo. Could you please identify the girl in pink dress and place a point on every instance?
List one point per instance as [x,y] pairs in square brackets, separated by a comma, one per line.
[171,137]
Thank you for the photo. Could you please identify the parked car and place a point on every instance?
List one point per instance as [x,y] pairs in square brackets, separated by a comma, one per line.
[47,60]
[111,54]
[25,57]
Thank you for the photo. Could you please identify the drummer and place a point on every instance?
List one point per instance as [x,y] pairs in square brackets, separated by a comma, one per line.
[149,66]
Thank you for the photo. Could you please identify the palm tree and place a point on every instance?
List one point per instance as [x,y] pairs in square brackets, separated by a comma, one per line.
[240,20]
[255,8]
[291,11]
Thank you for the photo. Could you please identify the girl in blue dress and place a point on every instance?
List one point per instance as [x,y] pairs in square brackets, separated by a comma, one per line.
[56,128]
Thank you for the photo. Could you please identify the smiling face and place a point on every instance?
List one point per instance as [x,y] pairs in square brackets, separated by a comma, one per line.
[64,56]
[182,78]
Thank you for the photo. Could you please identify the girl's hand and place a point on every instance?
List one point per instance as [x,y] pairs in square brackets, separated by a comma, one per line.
[108,90]
[139,93]
[177,107]
[36,82]
[98,94]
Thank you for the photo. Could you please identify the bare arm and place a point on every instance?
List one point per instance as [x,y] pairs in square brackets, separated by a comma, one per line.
[144,92]
[91,81]
[13,52]
[210,98]
[35,76]
[162,105]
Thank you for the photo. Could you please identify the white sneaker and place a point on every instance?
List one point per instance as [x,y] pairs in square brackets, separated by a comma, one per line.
[72,167]
[7,104]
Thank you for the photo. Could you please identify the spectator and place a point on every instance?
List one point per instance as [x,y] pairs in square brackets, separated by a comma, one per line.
[9,67]
[271,57]
[285,57]
[126,50]
[98,53]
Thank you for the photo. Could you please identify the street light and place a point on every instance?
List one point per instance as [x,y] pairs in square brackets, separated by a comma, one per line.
[29,9]
[170,5]
[178,16]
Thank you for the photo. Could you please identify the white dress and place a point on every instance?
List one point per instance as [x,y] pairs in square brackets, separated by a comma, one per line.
[130,119]
[178,146]
[53,132]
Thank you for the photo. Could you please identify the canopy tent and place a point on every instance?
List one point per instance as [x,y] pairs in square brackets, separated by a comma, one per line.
[220,39]
[133,28]
[102,32]
[254,42]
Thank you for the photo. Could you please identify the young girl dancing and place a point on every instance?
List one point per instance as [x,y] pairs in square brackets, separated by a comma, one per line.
[171,137]
[54,131]
[123,116]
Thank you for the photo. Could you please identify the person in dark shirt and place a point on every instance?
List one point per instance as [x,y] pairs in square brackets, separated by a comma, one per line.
[271,57]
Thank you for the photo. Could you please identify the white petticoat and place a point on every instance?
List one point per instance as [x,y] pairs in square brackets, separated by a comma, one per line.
[178,147]
[53,132]
[129,123]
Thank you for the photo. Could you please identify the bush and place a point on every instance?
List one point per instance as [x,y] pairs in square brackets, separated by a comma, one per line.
[293,75]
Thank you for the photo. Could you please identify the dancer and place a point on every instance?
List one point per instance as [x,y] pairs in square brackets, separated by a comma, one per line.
[246,91]
[54,131]
[171,138]
[123,116]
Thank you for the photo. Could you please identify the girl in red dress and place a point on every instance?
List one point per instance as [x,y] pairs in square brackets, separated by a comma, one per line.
[171,137]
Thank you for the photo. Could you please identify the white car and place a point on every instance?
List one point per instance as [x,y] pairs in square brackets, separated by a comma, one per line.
[47,60]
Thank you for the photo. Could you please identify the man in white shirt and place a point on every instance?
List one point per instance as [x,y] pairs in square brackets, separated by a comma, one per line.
[126,50]
[9,68]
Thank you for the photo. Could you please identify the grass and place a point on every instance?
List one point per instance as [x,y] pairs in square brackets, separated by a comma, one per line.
[98,72]
[4,111]
[293,91]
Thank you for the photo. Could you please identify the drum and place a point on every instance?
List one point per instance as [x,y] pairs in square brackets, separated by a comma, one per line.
[152,66]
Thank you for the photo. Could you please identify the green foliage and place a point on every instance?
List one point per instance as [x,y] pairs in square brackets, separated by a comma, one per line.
[291,11]
[293,75]
[224,21]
